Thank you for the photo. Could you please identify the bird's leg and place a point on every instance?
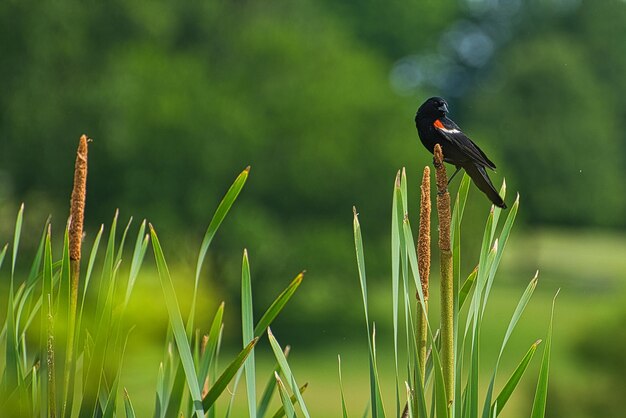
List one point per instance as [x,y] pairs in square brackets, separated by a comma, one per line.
[457,170]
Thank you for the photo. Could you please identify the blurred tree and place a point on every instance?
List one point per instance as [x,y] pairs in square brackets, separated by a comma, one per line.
[180,98]
[556,117]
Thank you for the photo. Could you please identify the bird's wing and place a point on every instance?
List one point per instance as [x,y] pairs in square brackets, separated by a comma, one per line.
[451,132]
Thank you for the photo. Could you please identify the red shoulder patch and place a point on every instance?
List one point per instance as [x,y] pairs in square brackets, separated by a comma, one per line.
[438,124]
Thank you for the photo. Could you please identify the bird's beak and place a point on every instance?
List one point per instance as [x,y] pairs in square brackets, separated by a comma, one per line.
[443,108]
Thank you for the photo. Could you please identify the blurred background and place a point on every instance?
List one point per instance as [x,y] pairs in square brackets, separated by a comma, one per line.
[319,98]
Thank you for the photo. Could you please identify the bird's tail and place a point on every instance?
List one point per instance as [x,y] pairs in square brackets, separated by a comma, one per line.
[482,181]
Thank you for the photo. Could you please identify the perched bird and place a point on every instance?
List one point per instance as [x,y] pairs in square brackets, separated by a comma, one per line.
[434,127]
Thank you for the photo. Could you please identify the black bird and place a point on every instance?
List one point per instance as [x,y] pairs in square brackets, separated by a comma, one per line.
[434,127]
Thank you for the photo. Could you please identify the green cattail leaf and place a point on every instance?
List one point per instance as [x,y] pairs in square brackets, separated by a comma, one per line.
[541,392]
[108,266]
[120,250]
[375,395]
[502,240]
[266,397]
[277,306]
[513,381]
[286,370]
[441,400]
[12,372]
[3,253]
[16,238]
[247,321]
[46,290]
[525,298]
[221,383]
[209,354]
[128,405]
[288,408]
[281,411]
[111,404]
[141,245]
[90,265]
[178,328]
[467,286]
[35,268]
[344,409]
[220,213]
[159,405]
[395,277]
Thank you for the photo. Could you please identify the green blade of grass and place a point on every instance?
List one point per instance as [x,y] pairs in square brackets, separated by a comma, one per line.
[120,249]
[441,401]
[175,398]
[220,213]
[90,265]
[513,381]
[264,403]
[344,409]
[409,401]
[214,367]
[541,393]
[395,278]
[107,268]
[220,384]
[288,408]
[410,256]
[46,290]
[281,410]
[458,295]
[159,403]
[141,246]
[178,328]
[524,299]
[502,240]
[35,267]
[467,286]
[286,370]
[12,362]
[3,253]
[128,405]
[277,306]
[65,341]
[375,395]
[104,340]
[247,322]
[16,238]
[208,357]
[111,405]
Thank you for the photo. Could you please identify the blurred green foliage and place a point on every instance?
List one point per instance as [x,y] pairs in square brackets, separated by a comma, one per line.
[179,97]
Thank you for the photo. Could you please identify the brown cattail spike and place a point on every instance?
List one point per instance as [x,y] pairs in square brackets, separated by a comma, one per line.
[443,200]
[77,203]
[423,242]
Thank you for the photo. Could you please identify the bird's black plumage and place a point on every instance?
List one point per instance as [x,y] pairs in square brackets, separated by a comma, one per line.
[434,127]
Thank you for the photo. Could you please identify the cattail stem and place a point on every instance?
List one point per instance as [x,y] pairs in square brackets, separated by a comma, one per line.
[50,362]
[447,287]
[423,263]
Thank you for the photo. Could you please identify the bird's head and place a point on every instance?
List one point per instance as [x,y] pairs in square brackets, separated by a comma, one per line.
[435,107]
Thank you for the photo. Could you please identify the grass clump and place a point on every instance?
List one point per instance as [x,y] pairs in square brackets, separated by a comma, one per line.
[66,330]
[440,377]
